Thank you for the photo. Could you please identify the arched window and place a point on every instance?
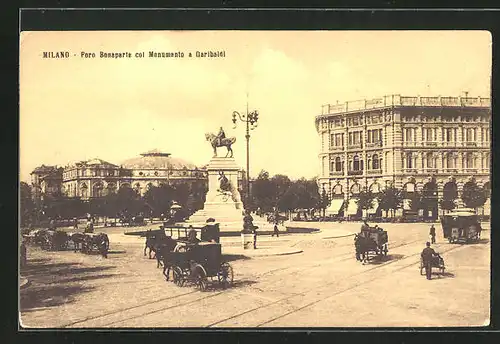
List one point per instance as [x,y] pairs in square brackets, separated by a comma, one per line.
[111,188]
[469,161]
[356,164]
[137,187]
[469,135]
[430,160]
[97,190]
[338,164]
[409,160]
[375,162]
[83,191]
[355,189]
[337,190]
[375,188]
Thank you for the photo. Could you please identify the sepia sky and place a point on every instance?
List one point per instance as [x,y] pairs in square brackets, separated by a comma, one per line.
[114,109]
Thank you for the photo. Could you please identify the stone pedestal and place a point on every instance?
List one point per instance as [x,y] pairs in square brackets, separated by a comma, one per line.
[224,206]
[247,241]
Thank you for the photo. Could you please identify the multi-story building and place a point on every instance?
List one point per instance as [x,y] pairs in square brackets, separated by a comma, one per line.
[46,180]
[427,144]
[96,177]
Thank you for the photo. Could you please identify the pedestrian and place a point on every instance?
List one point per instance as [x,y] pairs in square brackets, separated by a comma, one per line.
[276,231]
[75,223]
[432,234]
[254,238]
[427,255]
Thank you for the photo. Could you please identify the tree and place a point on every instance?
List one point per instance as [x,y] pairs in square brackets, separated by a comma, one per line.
[280,185]
[365,200]
[128,201]
[181,194]
[324,202]
[473,195]
[26,204]
[160,198]
[263,192]
[417,201]
[390,199]
[447,204]
[448,200]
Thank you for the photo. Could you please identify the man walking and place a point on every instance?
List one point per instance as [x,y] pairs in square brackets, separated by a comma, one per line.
[432,234]
[427,255]
[276,231]
[254,230]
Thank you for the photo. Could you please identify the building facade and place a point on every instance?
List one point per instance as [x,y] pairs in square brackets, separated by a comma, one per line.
[46,180]
[426,144]
[97,178]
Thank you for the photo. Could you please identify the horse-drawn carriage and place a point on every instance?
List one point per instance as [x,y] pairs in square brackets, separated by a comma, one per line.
[192,261]
[197,263]
[51,240]
[47,239]
[461,226]
[437,263]
[370,241]
[95,242]
[130,221]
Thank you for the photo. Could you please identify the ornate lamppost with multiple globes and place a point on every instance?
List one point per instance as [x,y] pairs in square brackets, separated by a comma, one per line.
[250,119]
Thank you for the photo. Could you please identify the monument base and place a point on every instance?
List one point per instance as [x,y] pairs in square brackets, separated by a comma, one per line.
[223,205]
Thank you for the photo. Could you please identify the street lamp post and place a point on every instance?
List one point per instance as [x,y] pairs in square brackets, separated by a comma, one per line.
[251,123]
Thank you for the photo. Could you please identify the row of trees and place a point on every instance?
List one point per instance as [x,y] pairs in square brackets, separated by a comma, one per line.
[391,199]
[269,194]
[282,194]
[156,201]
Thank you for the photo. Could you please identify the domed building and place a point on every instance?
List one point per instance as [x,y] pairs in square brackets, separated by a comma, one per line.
[96,177]
[154,168]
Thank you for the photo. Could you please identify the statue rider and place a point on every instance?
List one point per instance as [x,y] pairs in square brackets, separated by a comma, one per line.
[220,136]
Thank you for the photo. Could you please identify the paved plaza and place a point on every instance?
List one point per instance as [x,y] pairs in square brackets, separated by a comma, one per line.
[318,284]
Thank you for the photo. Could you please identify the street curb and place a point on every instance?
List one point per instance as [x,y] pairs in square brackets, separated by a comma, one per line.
[340,236]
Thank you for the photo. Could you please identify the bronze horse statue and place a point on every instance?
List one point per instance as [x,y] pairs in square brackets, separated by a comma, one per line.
[226,142]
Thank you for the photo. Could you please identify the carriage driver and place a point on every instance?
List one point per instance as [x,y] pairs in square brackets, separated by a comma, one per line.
[427,255]
[192,237]
[220,136]
[365,226]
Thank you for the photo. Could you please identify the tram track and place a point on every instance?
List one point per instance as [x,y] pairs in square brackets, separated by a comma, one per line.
[121,310]
[158,305]
[357,285]
[161,305]
[324,288]
[343,257]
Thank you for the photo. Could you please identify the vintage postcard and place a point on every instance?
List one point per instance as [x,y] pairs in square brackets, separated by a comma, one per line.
[254,179]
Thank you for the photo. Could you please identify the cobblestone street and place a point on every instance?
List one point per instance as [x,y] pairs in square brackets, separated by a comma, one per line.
[322,286]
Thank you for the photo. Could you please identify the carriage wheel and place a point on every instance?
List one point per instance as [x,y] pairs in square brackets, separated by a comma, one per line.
[201,279]
[225,275]
[180,248]
[177,276]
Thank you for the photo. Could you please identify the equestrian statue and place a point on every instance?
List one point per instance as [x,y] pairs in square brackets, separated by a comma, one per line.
[220,140]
